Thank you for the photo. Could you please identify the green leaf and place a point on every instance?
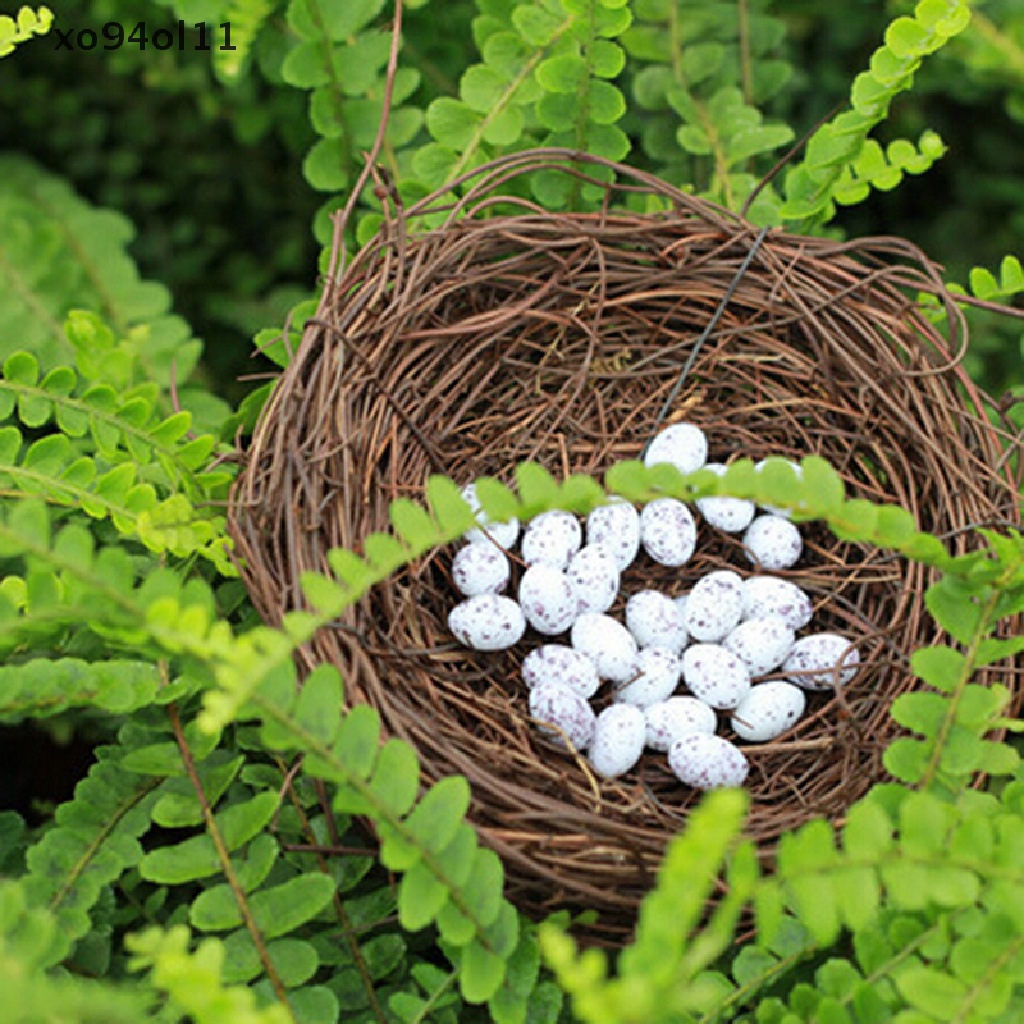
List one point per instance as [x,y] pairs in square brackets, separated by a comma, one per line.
[396,778]
[284,908]
[953,606]
[940,666]
[421,895]
[439,814]
[537,26]
[385,553]
[931,990]
[566,72]
[452,123]
[907,38]
[325,165]
[448,507]
[358,740]
[481,973]
[318,706]
[537,487]
[186,861]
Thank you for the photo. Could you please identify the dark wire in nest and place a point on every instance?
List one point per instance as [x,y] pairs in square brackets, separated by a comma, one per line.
[507,333]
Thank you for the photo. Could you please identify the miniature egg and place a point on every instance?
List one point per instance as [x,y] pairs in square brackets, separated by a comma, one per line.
[773,542]
[552,537]
[671,719]
[715,606]
[668,531]
[819,655]
[707,762]
[594,577]
[769,595]
[682,445]
[762,644]
[716,676]
[570,714]
[768,711]
[617,526]
[608,644]
[555,663]
[487,622]
[619,734]
[489,532]
[658,671]
[548,599]
[784,512]
[729,514]
[480,568]
[654,620]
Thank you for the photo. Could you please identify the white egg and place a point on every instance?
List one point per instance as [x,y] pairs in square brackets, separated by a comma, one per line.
[487,622]
[654,620]
[619,734]
[489,532]
[668,531]
[729,514]
[594,577]
[798,469]
[617,526]
[671,719]
[762,644]
[658,675]
[680,603]
[716,676]
[552,537]
[548,599]
[715,606]
[769,595]
[707,762]
[773,542]
[682,445]
[608,644]
[819,655]
[480,568]
[768,711]
[555,663]
[571,714]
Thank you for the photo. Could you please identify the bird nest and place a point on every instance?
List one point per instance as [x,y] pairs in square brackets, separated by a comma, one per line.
[503,332]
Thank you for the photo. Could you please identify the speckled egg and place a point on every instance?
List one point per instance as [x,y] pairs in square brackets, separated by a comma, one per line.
[480,568]
[552,537]
[769,595]
[773,542]
[715,606]
[548,599]
[658,672]
[707,762]
[729,514]
[682,445]
[671,719]
[798,469]
[654,620]
[570,714]
[555,663]
[617,526]
[768,711]
[489,532]
[668,531]
[487,622]
[762,644]
[716,676]
[619,734]
[819,654]
[608,644]
[594,577]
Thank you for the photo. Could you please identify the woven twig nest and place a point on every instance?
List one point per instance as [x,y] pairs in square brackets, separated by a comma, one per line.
[509,333]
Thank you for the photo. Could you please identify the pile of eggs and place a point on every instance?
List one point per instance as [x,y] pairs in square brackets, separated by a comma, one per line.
[718,641]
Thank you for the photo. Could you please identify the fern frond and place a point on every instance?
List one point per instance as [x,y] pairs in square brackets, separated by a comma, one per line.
[246,18]
[836,148]
[193,981]
[29,23]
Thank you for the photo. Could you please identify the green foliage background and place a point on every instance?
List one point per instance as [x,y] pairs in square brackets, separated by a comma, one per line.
[162,214]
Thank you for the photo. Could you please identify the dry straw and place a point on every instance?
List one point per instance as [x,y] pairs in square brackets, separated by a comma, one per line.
[506,333]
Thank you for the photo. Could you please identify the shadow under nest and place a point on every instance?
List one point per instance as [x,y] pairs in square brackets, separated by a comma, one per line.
[505,333]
